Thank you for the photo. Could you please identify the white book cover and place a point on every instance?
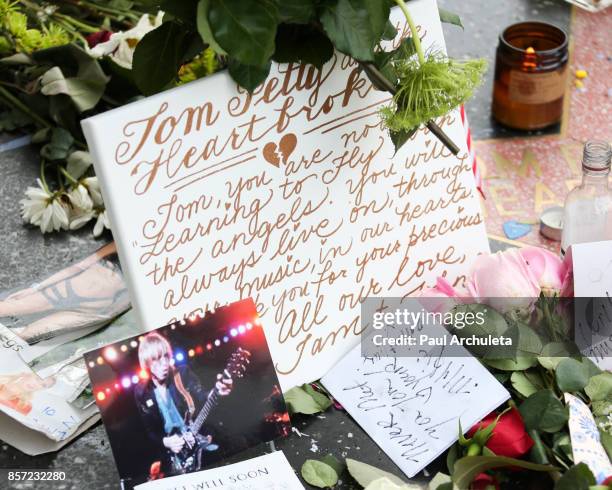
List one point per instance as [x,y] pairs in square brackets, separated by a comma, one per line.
[293,196]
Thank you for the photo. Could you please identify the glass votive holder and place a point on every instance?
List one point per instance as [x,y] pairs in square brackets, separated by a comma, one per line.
[531,70]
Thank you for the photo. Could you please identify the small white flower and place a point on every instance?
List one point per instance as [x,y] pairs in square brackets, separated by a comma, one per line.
[94,190]
[101,223]
[121,45]
[45,209]
[80,198]
[80,218]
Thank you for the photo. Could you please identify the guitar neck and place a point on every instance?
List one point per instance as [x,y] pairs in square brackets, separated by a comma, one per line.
[211,402]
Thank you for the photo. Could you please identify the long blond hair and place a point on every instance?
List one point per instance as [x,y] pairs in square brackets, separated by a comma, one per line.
[153,346]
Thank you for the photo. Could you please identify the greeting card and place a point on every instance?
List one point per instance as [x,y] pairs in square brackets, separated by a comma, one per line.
[293,195]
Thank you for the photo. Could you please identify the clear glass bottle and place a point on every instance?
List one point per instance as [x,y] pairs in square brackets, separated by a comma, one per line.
[588,207]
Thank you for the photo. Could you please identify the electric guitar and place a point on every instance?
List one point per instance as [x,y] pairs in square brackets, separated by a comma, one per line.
[189,459]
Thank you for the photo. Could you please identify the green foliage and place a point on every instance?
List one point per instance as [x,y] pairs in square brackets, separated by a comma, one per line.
[248,76]
[599,387]
[468,467]
[319,474]
[543,411]
[571,375]
[302,43]
[356,26]
[306,400]
[365,474]
[158,56]
[578,477]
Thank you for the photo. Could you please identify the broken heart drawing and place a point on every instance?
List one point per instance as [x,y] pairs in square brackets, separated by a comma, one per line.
[274,153]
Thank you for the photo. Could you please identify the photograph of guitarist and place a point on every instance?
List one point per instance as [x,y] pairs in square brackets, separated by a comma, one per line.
[170,393]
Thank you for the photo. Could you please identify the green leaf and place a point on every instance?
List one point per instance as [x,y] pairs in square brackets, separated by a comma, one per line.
[365,474]
[571,375]
[204,27]
[356,26]
[319,474]
[248,77]
[606,442]
[468,467]
[183,9]
[302,44]
[59,146]
[320,398]
[400,138]
[452,456]
[41,135]
[296,11]
[526,384]
[438,480]
[300,401]
[332,461]
[450,17]
[390,32]
[519,364]
[543,411]
[84,93]
[158,56]
[578,477]
[600,387]
[78,163]
[554,352]
[245,29]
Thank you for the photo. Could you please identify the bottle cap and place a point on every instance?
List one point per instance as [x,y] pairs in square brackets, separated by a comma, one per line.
[551,223]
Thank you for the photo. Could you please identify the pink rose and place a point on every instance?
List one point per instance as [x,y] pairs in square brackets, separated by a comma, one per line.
[443,296]
[549,270]
[497,277]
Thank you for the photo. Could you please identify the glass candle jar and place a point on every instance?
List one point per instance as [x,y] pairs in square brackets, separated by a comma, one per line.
[530,75]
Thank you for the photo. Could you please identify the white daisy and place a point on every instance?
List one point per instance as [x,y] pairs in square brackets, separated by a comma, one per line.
[45,209]
[101,223]
[80,198]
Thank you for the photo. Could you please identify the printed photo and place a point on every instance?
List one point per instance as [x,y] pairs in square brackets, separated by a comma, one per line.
[187,395]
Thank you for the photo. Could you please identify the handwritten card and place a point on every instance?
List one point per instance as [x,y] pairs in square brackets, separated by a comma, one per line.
[268,472]
[293,196]
[411,406]
[592,263]
[586,442]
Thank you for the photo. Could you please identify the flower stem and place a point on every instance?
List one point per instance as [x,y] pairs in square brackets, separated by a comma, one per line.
[66,174]
[17,104]
[43,180]
[413,29]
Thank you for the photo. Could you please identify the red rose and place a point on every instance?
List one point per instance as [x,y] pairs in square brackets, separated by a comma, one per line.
[484,482]
[509,437]
[97,38]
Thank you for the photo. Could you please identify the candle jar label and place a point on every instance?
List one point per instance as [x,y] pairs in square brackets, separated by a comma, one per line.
[536,88]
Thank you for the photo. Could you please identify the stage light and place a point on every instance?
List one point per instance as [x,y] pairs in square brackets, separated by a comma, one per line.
[133,344]
[257,321]
[172,327]
[233,332]
[135,379]
[117,387]
[241,329]
[226,339]
[92,364]
[191,353]
[101,396]
[124,348]
[183,321]
[217,342]
[143,374]
[208,346]
[110,353]
[99,360]
[125,382]
[199,349]
[180,357]
[108,390]
[249,325]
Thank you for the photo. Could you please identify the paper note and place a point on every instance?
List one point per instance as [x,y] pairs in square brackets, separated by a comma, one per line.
[592,263]
[293,195]
[269,472]
[411,406]
[586,443]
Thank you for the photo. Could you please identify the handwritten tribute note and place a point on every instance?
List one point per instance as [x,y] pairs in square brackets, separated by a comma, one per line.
[411,406]
[292,196]
[592,263]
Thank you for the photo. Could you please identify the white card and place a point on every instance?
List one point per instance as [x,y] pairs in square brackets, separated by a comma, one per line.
[268,472]
[293,196]
[592,263]
[411,406]
[586,442]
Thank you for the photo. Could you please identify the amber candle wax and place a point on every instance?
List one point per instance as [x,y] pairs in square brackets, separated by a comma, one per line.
[530,75]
